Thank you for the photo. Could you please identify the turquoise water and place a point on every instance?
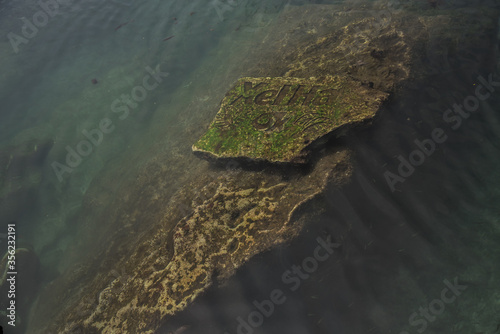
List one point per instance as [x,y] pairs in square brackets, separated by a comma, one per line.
[48,94]
[62,91]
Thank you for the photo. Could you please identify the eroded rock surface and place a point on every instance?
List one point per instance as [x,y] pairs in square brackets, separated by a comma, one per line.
[276,119]
[235,217]
[26,285]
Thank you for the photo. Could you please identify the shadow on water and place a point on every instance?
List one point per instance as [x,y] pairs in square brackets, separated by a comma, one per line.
[311,154]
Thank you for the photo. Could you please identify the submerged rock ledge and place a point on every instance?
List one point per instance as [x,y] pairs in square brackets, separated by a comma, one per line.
[238,215]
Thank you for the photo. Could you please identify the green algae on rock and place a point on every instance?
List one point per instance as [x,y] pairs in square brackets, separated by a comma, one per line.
[276,119]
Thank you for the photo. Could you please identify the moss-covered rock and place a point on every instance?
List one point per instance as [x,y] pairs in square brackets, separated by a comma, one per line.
[276,119]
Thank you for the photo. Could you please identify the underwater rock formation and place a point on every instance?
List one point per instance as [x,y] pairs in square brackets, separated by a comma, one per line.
[230,216]
[236,218]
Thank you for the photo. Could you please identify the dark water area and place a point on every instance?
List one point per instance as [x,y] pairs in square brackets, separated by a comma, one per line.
[396,250]
[383,253]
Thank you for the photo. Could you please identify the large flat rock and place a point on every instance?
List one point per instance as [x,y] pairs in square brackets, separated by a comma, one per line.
[277,119]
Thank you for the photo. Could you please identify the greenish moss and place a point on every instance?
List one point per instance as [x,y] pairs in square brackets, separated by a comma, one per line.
[274,119]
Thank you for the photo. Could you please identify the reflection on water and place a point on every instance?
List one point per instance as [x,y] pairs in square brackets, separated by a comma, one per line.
[85,86]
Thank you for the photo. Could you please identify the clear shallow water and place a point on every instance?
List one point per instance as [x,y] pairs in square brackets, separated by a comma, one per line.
[48,90]
[397,248]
